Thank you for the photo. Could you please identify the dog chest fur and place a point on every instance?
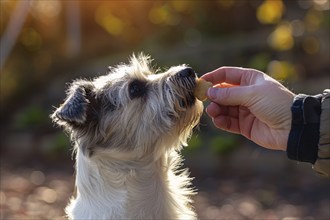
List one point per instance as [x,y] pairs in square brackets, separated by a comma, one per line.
[115,190]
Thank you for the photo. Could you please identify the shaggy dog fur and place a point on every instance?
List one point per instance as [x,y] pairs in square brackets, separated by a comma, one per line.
[128,127]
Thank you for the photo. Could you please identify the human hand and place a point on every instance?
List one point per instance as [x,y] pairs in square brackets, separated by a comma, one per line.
[256,106]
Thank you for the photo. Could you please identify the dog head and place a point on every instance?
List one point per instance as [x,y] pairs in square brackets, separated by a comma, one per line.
[131,112]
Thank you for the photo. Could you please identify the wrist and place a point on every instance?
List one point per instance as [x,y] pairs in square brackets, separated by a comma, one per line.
[286,121]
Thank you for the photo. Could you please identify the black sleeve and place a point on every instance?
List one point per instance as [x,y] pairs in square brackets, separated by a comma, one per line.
[304,134]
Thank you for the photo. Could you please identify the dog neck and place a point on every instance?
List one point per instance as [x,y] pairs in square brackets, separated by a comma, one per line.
[121,189]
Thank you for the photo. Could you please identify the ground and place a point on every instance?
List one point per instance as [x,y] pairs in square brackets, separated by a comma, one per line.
[32,193]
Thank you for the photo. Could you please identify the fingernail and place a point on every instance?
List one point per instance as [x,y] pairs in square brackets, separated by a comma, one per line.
[212,93]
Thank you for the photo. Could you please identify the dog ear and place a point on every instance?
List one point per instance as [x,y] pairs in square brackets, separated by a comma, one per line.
[77,107]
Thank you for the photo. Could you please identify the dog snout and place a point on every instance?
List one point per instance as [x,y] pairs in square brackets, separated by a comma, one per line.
[187,72]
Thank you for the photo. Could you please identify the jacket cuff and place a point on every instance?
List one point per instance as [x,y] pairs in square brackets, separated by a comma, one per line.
[304,134]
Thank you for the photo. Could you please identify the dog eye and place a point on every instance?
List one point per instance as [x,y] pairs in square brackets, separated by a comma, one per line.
[136,89]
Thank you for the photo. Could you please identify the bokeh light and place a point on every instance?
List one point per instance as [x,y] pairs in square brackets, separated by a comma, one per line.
[37,177]
[322,4]
[270,11]
[45,10]
[46,194]
[164,14]
[182,6]
[311,45]
[55,42]
[313,20]
[298,27]
[281,38]
[31,39]
[111,23]
[282,70]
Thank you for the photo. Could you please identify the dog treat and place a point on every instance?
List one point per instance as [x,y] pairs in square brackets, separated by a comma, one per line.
[201,89]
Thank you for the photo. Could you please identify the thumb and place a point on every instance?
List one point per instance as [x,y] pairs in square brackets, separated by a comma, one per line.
[232,96]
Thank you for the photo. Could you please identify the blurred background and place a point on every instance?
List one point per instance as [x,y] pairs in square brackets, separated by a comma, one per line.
[47,43]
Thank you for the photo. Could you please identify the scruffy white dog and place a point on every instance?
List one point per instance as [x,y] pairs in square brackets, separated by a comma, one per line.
[128,127]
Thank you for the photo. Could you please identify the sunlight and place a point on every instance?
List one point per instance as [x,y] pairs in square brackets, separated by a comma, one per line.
[112,24]
[159,15]
[322,4]
[31,39]
[44,10]
[270,11]
[46,45]
[281,38]
[281,70]
[181,6]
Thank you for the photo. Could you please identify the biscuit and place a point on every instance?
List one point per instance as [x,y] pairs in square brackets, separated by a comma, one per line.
[201,89]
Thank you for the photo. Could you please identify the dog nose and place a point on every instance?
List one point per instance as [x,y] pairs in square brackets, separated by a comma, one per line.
[187,72]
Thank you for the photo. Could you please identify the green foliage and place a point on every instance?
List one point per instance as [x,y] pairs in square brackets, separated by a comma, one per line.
[60,144]
[259,61]
[220,144]
[194,143]
[285,39]
[31,117]
[224,144]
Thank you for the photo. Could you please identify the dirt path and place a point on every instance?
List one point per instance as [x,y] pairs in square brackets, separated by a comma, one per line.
[41,194]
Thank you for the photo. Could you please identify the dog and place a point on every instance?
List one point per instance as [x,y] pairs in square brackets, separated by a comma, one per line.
[128,128]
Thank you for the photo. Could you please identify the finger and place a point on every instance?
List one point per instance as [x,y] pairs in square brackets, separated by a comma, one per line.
[231,111]
[233,96]
[247,122]
[214,110]
[234,76]
[224,85]
[227,123]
